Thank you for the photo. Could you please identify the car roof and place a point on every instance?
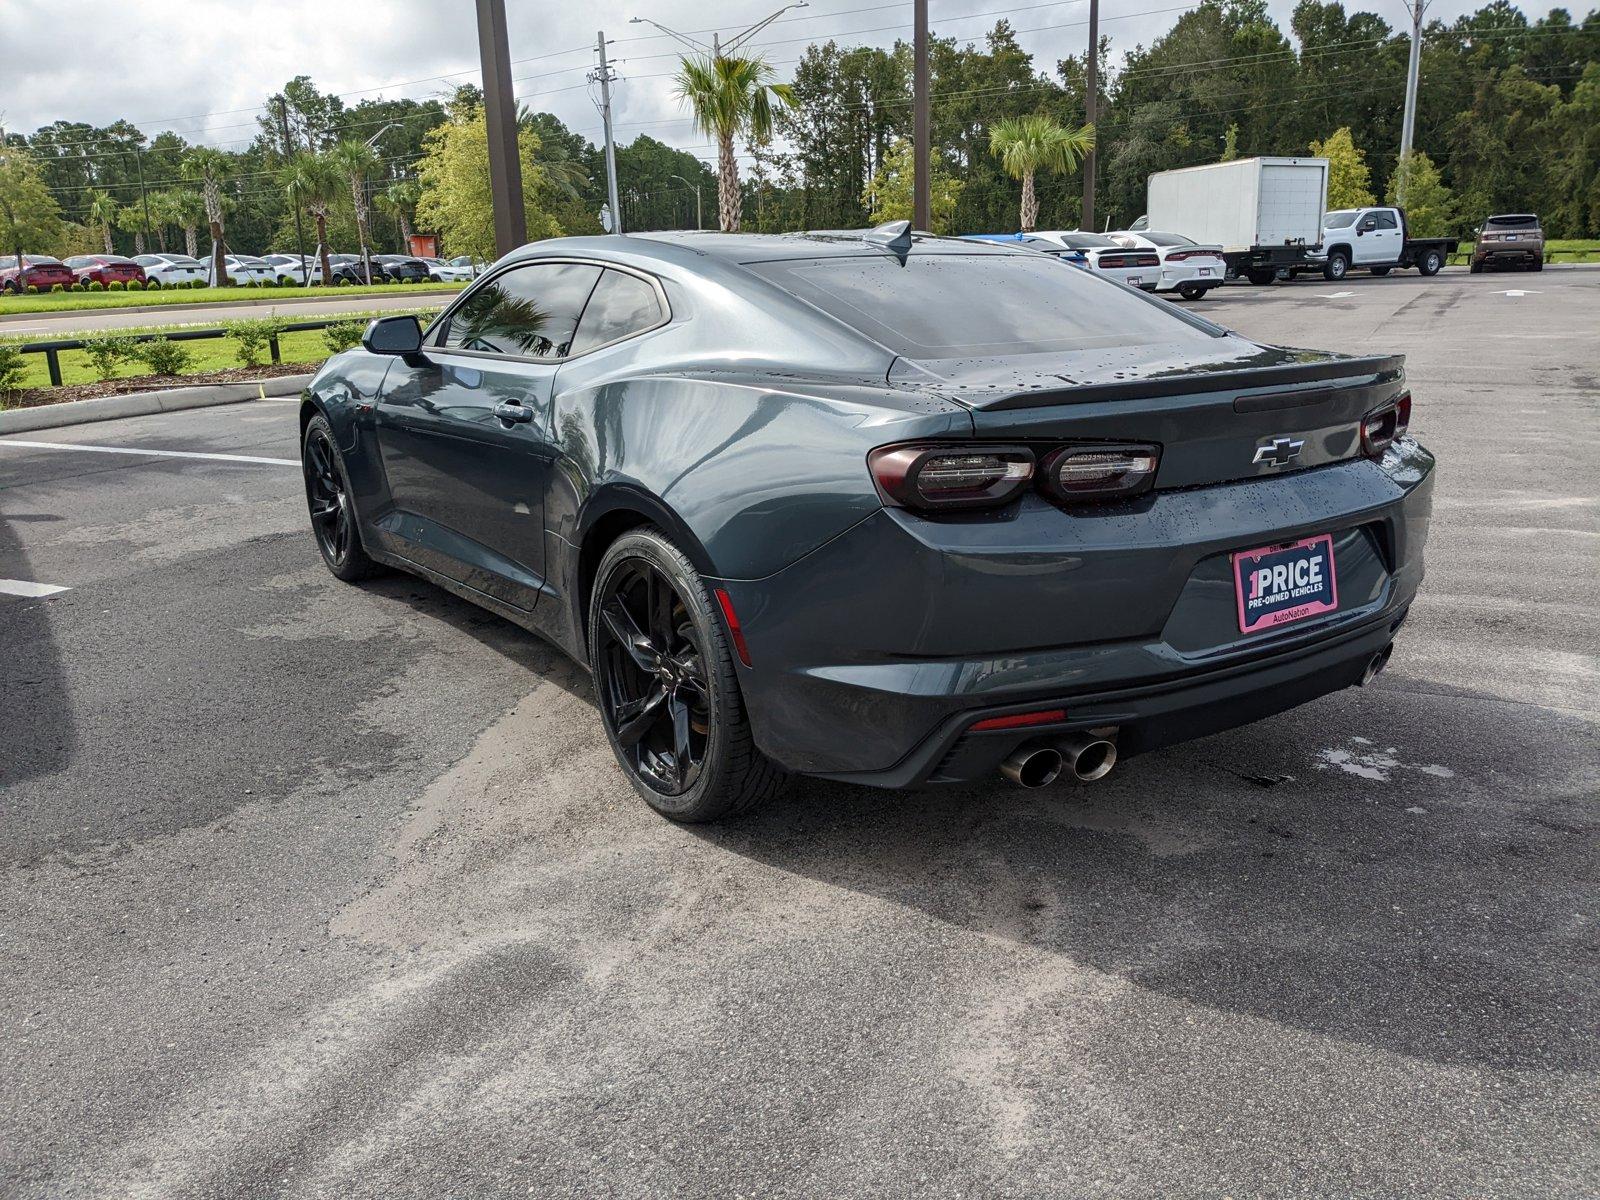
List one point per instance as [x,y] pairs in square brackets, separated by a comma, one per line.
[685,247]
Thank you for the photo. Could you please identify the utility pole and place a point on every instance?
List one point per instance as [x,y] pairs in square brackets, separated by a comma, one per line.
[921,173]
[604,76]
[144,199]
[1408,122]
[1091,99]
[299,228]
[500,113]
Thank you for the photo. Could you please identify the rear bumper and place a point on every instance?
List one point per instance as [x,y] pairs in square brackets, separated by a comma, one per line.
[875,653]
[1508,254]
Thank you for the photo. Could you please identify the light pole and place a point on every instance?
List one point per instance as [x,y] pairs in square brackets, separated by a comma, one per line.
[698,224]
[604,76]
[921,166]
[718,48]
[366,251]
[1091,101]
[1413,69]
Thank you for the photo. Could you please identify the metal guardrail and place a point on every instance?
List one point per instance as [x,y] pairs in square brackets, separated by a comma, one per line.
[52,350]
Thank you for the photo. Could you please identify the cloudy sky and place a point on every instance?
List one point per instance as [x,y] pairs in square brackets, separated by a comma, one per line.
[203,67]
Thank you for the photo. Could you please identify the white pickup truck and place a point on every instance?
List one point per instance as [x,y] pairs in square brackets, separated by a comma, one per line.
[1376,240]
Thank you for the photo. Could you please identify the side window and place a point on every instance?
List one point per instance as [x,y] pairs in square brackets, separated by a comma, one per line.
[622,304]
[530,312]
[1385,220]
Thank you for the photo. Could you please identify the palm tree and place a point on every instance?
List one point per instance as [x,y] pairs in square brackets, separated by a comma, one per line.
[355,160]
[188,210]
[731,96]
[399,199]
[1026,145]
[312,181]
[165,209]
[102,216]
[209,168]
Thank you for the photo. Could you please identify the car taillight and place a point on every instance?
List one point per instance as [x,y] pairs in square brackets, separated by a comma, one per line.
[1382,427]
[1079,473]
[944,476]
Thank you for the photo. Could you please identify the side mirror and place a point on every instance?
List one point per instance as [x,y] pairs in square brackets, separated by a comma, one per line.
[393,335]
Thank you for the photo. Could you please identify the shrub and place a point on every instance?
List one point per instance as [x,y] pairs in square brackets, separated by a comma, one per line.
[106,350]
[342,335]
[56,289]
[10,368]
[80,287]
[136,285]
[162,356]
[96,286]
[116,285]
[252,337]
[33,289]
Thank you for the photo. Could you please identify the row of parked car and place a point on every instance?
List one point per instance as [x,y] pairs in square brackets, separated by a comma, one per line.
[180,270]
[1147,259]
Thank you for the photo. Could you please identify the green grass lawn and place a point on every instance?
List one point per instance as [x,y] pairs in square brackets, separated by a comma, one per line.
[49,302]
[208,354]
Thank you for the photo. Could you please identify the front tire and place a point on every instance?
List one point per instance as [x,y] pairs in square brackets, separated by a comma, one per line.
[1337,267]
[667,686]
[331,502]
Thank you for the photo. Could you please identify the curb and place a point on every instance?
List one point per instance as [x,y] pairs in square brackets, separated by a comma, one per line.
[160,308]
[142,404]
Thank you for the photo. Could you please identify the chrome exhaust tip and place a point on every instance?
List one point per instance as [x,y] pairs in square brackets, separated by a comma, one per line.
[1032,766]
[1376,664]
[1088,758]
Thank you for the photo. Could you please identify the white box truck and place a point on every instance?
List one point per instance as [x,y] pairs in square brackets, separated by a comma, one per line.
[1265,213]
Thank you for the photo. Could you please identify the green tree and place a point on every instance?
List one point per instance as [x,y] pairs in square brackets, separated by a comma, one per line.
[103,211]
[355,160]
[209,168]
[130,219]
[1430,206]
[888,194]
[1028,145]
[399,200]
[30,219]
[1349,182]
[453,178]
[312,182]
[1230,143]
[731,96]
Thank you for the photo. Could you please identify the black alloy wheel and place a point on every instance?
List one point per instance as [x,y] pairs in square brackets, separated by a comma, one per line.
[333,513]
[652,678]
[667,685]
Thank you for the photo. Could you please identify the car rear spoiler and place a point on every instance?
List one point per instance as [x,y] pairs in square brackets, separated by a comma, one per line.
[1363,371]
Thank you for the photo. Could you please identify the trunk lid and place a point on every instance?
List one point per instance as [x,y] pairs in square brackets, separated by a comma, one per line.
[1220,412]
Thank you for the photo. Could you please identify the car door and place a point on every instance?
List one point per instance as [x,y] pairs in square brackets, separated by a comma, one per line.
[464,430]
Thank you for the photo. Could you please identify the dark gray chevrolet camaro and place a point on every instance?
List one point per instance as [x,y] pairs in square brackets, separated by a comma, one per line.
[892,510]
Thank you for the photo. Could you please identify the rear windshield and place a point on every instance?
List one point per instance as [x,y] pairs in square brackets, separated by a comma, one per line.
[1518,221]
[1338,220]
[955,305]
[1168,239]
[1087,241]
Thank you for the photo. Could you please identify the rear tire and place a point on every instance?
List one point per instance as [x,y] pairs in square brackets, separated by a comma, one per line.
[1337,267]
[1539,265]
[1380,272]
[679,729]
[1261,277]
[1432,262]
[1191,291]
[1476,268]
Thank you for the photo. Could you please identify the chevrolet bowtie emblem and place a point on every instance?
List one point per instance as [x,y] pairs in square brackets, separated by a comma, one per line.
[1279,452]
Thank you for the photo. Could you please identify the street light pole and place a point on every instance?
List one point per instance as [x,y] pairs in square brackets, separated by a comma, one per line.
[1091,100]
[1413,70]
[500,113]
[698,223]
[922,169]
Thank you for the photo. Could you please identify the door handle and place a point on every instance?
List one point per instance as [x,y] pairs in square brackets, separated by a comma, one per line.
[513,413]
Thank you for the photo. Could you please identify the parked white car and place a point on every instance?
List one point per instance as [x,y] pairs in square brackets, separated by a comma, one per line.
[440,271]
[245,269]
[476,265]
[1135,267]
[1187,267]
[171,270]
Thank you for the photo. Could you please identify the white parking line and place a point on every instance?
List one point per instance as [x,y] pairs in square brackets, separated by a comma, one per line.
[242,458]
[23,587]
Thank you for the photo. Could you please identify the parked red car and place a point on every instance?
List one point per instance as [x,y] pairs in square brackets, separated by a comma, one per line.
[38,270]
[105,268]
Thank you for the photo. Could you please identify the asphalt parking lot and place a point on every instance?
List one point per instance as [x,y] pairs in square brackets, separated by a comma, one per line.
[335,890]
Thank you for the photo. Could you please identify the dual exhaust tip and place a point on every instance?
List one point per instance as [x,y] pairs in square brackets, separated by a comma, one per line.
[1080,757]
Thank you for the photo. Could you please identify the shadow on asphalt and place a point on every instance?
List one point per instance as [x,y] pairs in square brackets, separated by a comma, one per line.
[1431,917]
[40,731]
